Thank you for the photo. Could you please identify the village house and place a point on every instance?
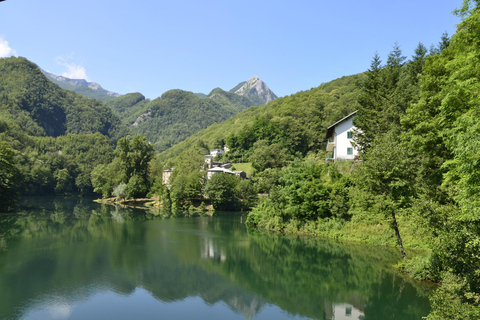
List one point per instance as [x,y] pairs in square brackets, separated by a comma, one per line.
[217,170]
[217,152]
[212,167]
[340,138]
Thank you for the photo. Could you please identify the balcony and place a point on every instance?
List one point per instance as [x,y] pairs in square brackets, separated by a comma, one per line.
[330,146]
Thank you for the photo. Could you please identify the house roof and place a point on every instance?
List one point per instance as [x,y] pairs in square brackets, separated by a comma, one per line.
[220,169]
[330,129]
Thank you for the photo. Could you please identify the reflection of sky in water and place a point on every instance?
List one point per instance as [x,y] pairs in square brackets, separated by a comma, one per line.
[139,305]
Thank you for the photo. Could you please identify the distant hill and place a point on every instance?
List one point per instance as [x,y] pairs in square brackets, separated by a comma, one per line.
[41,108]
[127,105]
[300,120]
[178,114]
[87,89]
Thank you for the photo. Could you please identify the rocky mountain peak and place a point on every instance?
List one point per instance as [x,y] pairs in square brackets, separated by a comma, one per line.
[256,89]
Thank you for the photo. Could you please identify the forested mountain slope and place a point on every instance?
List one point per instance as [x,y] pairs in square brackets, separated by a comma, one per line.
[50,138]
[126,106]
[297,122]
[178,114]
[42,108]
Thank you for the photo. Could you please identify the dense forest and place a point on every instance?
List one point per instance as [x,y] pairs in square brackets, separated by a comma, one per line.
[416,186]
[51,138]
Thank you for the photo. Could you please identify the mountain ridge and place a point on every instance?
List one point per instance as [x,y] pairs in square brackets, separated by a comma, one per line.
[159,118]
[42,108]
[81,86]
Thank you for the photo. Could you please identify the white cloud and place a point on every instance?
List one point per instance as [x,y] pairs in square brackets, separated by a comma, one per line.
[5,49]
[74,71]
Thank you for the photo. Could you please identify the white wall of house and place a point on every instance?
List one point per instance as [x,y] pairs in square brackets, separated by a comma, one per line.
[216,152]
[344,149]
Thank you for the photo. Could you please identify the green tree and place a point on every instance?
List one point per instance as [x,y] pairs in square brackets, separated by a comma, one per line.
[220,189]
[8,178]
[386,177]
[134,157]
[246,191]
[268,156]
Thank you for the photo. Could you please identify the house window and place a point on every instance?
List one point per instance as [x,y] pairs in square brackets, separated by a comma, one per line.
[349,151]
[349,135]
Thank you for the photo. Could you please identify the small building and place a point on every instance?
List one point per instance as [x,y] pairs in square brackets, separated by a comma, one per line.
[217,152]
[166,175]
[216,170]
[212,164]
[340,138]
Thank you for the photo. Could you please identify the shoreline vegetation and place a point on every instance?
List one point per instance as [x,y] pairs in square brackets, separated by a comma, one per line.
[154,203]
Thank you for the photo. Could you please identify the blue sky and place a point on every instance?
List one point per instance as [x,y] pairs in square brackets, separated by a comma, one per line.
[155,46]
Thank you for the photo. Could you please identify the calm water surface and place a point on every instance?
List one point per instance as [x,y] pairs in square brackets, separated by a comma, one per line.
[74,259]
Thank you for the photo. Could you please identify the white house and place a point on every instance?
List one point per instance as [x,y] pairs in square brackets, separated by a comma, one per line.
[340,138]
[217,170]
[216,152]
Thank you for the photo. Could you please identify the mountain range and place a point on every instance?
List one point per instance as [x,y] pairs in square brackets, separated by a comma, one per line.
[87,89]
[176,114]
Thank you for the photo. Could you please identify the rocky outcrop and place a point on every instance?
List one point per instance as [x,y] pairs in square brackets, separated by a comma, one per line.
[256,90]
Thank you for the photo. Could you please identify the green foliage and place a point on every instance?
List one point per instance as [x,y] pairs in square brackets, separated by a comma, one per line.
[268,156]
[187,180]
[385,177]
[220,190]
[130,166]
[246,191]
[42,108]
[127,105]
[185,187]
[305,192]
[136,187]
[455,300]
[8,178]
[105,177]
[166,200]
[178,114]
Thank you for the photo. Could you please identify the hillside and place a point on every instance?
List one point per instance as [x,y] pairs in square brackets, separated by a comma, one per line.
[178,114]
[53,138]
[127,105]
[297,121]
[87,89]
[41,108]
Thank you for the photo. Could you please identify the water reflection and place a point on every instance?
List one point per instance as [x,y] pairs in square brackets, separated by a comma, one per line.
[68,259]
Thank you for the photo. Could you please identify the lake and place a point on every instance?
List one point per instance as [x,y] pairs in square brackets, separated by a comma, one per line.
[76,259]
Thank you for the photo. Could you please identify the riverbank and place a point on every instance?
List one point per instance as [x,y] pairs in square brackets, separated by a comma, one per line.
[155,203]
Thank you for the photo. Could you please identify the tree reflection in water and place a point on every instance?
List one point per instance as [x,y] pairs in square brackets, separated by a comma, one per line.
[66,252]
